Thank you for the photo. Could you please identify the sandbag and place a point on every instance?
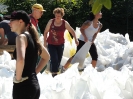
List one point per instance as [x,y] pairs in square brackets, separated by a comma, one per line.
[81,54]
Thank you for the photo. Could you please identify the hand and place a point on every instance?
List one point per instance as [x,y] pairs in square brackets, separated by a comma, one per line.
[19,81]
[45,44]
[92,43]
[76,42]
[86,39]
[5,42]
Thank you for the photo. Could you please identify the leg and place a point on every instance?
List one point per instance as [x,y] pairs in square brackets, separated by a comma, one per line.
[81,43]
[68,63]
[94,55]
[94,62]
[2,36]
[60,49]
[53,58]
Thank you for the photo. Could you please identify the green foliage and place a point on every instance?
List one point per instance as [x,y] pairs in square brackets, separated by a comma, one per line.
[118,19]
[98,4]
[75,12]
[107,4]
[18,5]
[2,1]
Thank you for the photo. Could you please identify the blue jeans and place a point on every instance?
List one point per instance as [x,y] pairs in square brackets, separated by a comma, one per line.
[56,52]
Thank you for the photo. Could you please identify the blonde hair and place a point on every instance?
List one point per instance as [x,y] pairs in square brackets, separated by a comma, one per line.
[59,10]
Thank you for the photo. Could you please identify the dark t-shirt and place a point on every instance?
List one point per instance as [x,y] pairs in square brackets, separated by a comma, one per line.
[11,36]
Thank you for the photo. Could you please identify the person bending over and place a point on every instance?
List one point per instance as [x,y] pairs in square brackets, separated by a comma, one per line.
[89,31]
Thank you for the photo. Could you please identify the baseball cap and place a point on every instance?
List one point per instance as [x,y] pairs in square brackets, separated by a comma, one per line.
[38,6]
[20,14]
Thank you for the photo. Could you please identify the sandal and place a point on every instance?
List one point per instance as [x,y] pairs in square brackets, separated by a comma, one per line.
[54,75]
[80,70]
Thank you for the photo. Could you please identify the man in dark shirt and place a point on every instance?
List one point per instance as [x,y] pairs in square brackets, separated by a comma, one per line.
[6,34]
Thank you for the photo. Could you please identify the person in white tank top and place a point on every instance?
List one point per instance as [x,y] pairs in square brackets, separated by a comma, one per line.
[89,31]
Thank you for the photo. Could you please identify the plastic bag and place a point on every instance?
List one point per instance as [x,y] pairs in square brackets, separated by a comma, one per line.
[81,54]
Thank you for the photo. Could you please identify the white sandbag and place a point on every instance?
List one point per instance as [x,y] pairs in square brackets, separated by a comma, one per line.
[7,88]
[1,86]
[81,54]
[5,57]
[5,73]
[87,61]
[6,83]
[11,65]
[77,32]
[127,38]
[111,95]
[100,68]
[103,51]
[63,61]
[80,89]
[67,48]
[90,84]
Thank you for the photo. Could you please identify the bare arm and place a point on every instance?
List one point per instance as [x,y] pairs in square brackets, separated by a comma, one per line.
[95,35]
[2,36]
[46,32]
[21,44]
[44,60]
[71,30]
[85,25]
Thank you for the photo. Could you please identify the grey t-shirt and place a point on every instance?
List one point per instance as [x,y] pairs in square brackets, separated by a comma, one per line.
[11,36]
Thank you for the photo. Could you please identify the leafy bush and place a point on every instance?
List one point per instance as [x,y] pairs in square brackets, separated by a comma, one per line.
[118,20]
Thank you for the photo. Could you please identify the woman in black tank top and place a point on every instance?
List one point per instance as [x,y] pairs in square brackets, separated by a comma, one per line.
[28,46]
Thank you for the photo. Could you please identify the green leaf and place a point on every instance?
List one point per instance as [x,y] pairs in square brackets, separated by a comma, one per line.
[97,9]
[102,1]
[107,4]
[97,6]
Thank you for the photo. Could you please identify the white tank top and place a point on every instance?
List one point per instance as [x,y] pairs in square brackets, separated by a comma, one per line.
[89,32]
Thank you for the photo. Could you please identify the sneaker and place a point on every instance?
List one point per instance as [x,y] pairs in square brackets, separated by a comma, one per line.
[80,70]
[62,69]
[53,75]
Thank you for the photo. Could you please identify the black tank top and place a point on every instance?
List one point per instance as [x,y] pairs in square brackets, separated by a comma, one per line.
[31,56]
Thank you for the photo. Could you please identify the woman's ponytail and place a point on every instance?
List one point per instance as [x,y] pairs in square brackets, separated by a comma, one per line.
[35,36]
